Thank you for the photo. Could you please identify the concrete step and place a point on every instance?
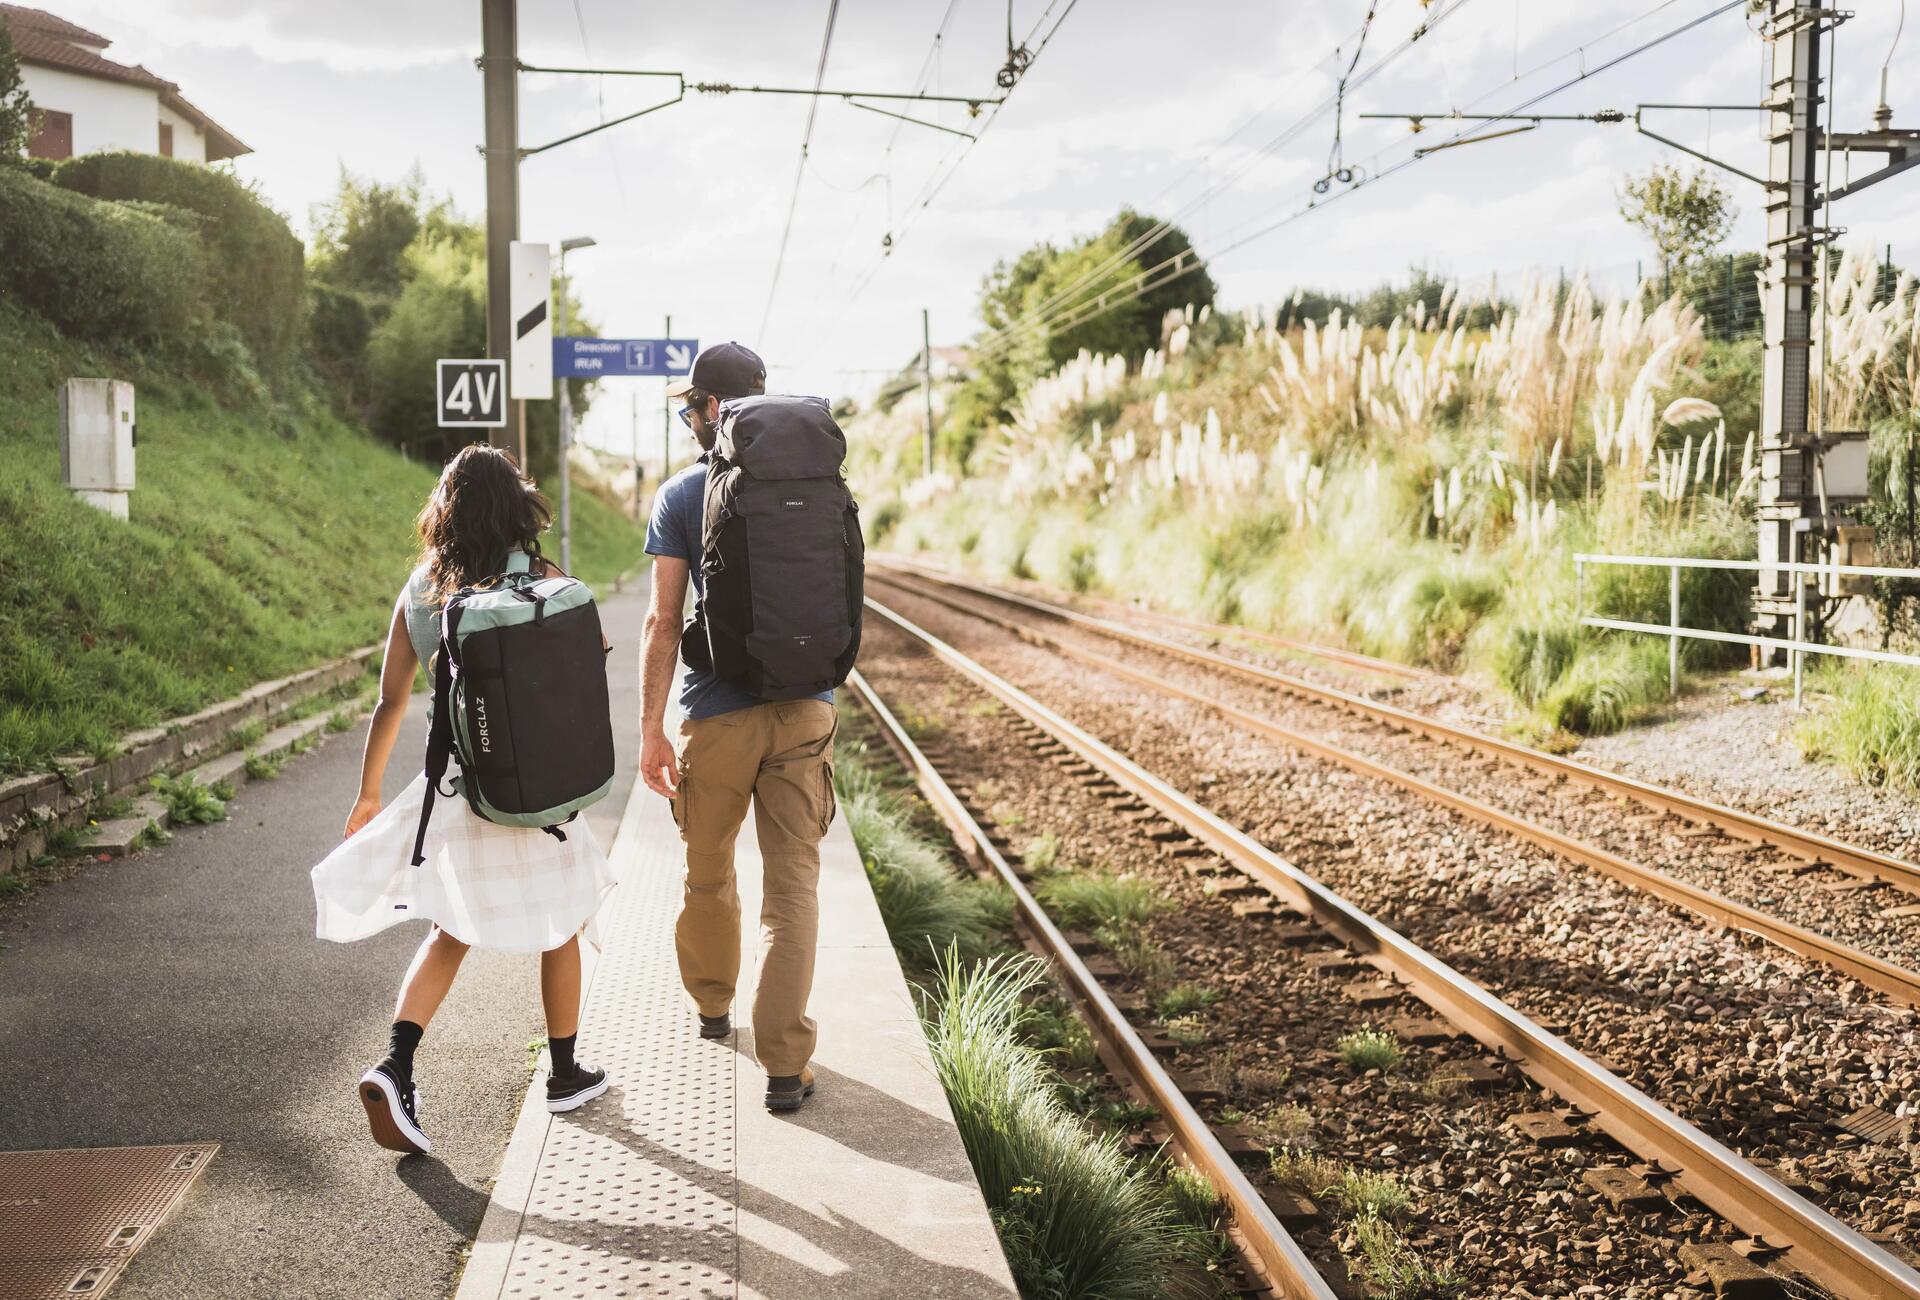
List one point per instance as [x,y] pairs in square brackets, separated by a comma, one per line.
[122,835]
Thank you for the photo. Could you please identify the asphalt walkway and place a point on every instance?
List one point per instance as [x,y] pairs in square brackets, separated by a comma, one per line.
[180,995]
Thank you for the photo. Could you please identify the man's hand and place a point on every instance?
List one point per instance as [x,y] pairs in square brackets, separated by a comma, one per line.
[659,765]
[364,811]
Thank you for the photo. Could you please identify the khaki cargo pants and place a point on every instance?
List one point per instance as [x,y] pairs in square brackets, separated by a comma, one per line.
[779,755]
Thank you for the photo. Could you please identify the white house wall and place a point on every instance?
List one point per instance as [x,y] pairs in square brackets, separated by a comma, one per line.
[106,114]
[189,141]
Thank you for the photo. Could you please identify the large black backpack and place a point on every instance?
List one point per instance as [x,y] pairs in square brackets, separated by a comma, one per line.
[781,557]
[520,702]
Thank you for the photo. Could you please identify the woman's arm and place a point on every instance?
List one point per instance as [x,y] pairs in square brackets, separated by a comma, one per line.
[396,687]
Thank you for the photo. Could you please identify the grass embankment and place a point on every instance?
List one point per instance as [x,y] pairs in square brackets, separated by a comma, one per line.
[1078,1216]
[266,536]
[1871,726]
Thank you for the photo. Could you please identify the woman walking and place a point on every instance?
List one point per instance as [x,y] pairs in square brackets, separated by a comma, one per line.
[482,884]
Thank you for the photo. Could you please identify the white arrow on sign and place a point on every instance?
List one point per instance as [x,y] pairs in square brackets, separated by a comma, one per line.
[679,356]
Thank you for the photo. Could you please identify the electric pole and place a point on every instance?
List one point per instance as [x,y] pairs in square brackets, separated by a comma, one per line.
[499,67]
[1790,506]
[926,370]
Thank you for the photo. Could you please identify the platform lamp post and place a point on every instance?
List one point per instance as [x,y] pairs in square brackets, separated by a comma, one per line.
[566,414]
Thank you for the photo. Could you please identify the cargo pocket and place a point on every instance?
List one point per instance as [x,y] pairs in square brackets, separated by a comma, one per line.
[679,805]
[828,803]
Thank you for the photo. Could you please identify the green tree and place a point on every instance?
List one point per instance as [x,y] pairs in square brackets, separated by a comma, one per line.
[360,236]
[17,112]
[1686,214]
[1044,306]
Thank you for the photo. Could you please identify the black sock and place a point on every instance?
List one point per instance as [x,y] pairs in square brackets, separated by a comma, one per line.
[561,1049]
[405,1037]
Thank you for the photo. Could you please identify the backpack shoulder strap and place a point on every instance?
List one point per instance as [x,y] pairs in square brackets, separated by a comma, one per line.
[440,731]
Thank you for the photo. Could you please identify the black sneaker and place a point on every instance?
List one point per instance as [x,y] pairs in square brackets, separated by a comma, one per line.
[716,1026]
[789,1091]
[392,1111]
[577,1089]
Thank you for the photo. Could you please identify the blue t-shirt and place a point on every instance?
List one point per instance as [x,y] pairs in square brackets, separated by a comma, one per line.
[674,531]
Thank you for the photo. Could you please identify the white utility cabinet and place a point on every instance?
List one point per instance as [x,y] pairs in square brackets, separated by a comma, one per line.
[97,438]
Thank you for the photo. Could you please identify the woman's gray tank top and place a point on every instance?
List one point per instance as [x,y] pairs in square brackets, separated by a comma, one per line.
[423,614]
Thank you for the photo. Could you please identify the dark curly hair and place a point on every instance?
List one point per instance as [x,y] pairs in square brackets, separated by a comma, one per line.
[482,508]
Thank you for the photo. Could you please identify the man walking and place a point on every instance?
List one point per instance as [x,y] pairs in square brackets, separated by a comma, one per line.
[734,747]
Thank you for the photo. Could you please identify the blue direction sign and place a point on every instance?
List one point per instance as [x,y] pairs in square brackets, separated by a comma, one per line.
[580,358]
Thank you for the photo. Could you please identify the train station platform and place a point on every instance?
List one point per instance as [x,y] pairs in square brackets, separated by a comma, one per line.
[679,1183]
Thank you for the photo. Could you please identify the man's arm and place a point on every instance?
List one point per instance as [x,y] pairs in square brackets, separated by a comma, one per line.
[659,649]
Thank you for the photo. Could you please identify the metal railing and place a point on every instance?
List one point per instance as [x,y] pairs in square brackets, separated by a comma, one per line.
[1796,646]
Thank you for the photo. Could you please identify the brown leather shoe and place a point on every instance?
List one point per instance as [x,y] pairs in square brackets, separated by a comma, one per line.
[789,1091]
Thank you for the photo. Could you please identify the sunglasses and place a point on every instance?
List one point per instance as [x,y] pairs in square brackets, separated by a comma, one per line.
[695,401]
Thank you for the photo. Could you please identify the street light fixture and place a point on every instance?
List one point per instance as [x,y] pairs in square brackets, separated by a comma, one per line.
[566,414]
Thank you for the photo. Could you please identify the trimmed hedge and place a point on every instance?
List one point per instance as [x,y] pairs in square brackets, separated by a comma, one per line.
[256,267]
[97,270]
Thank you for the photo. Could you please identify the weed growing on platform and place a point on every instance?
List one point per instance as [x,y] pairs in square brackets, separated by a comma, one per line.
[1285,1125]
[1370,1049]
[1871,730]
[1185,999]
[1006,815]
[1396,1271]
[190,803]
[340,720]
[1235,1076]
[1076,1216]
[1126,1116]
[1360,1193]
[1052,1027]
[1300,1170]
[1201,1207]
[1042,853]
[1189,1031]
[924,902]
[247,733]
[922,727]
[263,767]
[1138,957]
[1092,900]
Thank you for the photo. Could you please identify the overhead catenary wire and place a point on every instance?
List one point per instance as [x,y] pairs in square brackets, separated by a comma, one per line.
[800,170]
[943,171]
[1172,268]
[600,98]
[1147,238]
[1030,321]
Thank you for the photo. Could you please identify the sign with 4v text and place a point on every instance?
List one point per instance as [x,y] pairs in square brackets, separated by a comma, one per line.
[472,394]
[583,358]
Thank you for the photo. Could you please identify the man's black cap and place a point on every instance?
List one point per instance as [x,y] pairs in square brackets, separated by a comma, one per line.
[725,370]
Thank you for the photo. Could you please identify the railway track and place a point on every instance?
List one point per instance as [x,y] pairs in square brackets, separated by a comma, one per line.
[1808,846]
[1734,827]
[1784,1229]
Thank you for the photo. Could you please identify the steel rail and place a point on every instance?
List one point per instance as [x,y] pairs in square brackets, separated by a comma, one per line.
[1810,846]
[1287,1267]
[1820,1246]
[1896,982]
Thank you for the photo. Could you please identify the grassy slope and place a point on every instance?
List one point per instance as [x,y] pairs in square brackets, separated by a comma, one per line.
[260,543]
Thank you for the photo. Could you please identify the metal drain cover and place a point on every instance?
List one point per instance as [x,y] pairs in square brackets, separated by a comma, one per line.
[70,1220]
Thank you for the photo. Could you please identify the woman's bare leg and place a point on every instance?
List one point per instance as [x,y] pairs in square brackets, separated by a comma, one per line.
[560,988]
[429,977]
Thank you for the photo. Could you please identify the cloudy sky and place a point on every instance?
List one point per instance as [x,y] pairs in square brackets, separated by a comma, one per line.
[1170,108]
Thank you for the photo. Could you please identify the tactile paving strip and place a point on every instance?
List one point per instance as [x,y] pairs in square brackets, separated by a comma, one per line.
[635,1193]
[70,1220]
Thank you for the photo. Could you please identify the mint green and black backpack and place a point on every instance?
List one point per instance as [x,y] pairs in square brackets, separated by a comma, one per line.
[520,702]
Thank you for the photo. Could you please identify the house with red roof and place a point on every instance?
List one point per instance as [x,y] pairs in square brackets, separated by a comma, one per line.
[87,102]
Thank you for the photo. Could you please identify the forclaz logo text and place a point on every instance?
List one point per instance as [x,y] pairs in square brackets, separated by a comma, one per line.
[480,721]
